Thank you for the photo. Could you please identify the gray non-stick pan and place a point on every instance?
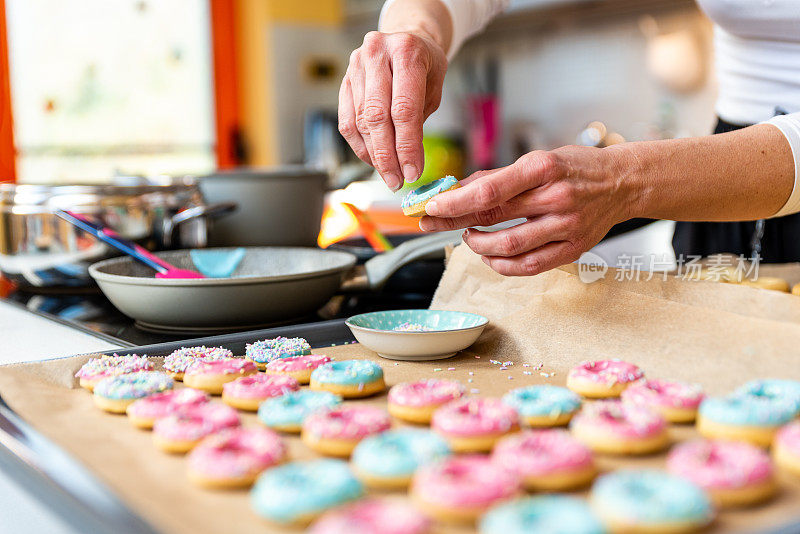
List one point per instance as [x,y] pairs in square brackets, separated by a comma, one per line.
[271,284]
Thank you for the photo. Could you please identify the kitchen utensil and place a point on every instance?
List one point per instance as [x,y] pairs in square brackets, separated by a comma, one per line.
[450,332]
[271,284]
[216,263]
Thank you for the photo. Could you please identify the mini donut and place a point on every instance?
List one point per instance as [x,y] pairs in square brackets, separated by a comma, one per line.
[212,376]
[551,514]
[298,367]
[786,448]
[389,459]
[373,516]
[234,457]
[676,401]
[602,378]
[337,431]
[264,351]
[546,460]
[349,378]
[287,412]
[742,417]
[180,432]
[773,388]
[248,392]
[414,202]
[115,393]
[179,360]
[615,428]
[296,493]
[474,424]
[767,282]
[104,366]
[461,488]
[144,412]
[733,473]
[415,402]
[796,289]
[543,406]
[650,501]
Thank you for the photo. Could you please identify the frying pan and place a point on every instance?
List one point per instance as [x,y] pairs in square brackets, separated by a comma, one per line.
[271,284]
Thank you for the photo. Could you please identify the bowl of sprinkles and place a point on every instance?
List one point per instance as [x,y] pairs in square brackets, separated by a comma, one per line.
[417,335]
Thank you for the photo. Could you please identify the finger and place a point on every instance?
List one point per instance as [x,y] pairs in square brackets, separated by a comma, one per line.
[490,190]
[544,258]
[517,239]
[522,206]
[478,174]
[356,77]
[347,122]
[408,100]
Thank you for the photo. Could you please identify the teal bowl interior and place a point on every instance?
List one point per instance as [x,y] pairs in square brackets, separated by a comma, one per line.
[432,320]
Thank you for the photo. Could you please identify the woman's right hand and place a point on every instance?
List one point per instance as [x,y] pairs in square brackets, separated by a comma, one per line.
[393,83]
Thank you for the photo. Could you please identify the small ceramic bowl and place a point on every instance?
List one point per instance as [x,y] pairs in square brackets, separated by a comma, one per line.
[417,334]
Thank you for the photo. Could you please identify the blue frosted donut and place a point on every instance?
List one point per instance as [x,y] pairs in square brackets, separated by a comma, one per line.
[427,192]
[297,492]
[541,405]
[347,373]
[775,388]
[647,499]
[133,385]
[266,350]
[749,410]
[551,514]
[288,411]
[394,455]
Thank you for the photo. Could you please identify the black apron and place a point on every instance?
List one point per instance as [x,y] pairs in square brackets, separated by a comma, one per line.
[779,238]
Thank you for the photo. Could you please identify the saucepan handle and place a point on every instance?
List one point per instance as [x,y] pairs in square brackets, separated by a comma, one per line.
[211,210]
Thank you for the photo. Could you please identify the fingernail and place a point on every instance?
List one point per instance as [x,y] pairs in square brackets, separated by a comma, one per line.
[424,225]
[394,182]
[410,173]
[465,235]
[485,260]
[431,208]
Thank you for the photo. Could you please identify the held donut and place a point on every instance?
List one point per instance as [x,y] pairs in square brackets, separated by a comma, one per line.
[546,460]
[298,367]
[267,350]
[461,488]
[474,424]
[650,501]
[543,406]
[389,459]
[602,378]
[786,448]
[143,413]
[414,202]
[677,401]
[179,360]
[287,412]
[213,375]
[553,514]
[742,417]
[115,393]
[248,392]
[97,369]
[615,428]
[234,457]
[181,432]
[298,492]
[337,431]
[372,516]
[349,378]
[733,473]
[415,402]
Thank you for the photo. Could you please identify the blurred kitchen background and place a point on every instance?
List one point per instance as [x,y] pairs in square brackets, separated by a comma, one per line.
[235,101]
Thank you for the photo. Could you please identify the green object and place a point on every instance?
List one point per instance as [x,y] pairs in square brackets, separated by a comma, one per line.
[443,156]
[433,320]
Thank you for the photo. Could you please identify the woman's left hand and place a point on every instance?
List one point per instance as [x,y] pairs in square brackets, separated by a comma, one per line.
[570,197]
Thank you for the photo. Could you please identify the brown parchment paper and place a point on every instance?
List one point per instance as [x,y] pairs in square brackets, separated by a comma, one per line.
[716,334]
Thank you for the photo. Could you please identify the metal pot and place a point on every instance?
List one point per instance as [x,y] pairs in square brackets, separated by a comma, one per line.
[38,249]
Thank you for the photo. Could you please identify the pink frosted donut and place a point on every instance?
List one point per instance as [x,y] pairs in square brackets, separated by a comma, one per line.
[474,424]
[181,431]
[677,401]
[546,460]
[144,412]
[211,376]
[613,427]
[373,516]
[337,431]
[298,367]
[97,369]
[786,448]
[460,488]
[602,378]
[234,457]
[732,472]
[247,392]
[416,401]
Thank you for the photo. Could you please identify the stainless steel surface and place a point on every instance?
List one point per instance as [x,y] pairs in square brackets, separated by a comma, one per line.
[279,206]
[39,249]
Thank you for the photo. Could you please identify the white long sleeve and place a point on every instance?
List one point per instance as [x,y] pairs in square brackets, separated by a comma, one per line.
[789,125]
[469,17]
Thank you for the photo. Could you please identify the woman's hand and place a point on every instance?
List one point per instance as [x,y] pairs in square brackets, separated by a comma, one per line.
[393,83]
[570,197]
